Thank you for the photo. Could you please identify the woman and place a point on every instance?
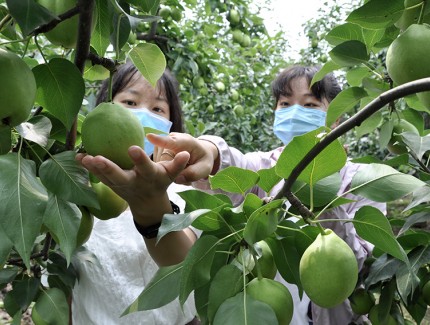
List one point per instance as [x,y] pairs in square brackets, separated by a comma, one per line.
[124,265]
[298,109]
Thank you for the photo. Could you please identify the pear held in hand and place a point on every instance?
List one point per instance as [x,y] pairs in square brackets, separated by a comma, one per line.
[109,130]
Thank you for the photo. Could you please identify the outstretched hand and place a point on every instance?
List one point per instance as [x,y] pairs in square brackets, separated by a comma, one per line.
[142,186]
[203,154]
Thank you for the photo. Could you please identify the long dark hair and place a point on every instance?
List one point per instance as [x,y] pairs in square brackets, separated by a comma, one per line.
[167,84]
[327,88]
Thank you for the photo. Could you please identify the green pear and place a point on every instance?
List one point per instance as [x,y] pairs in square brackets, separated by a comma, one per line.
[109,130]
[111,204]
[17,91]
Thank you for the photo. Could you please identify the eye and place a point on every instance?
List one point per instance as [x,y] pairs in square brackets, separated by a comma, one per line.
[128,103]
[158,110]
[283,104]
[312,105]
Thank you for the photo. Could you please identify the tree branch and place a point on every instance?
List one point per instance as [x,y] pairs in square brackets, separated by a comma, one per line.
[51,25]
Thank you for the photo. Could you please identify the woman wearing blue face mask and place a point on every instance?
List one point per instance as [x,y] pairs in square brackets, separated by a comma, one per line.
[124,265]
[298,109]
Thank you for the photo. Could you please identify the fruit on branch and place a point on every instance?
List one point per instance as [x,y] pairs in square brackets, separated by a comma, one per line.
[233,17]
[266,262]
[328,270]
[85,227]
[361,301]
[408,57]
[17,91]
[65,33]
[109,130]
[111,204]
[275,294]
[219,86]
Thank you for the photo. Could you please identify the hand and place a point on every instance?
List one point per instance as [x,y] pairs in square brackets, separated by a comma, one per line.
[203,154]
[143,187]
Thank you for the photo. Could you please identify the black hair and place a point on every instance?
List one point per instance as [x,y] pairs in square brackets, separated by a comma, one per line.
[167,84]
[327,87]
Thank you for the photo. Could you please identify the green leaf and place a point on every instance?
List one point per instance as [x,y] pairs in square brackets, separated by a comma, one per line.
[60,89]
[52,307]
[63,176]
[384,268]
[376,14]
[23,203]
[343,103]
[121,31]
[62,219]
[327,162]
[234,180]
[356,75]
[419,145]
[149,60]
[102,29]
[5,247]
[343,33]
[29,14]
[263,222]
[350,53]
[382,183]
[369,125]
[406,276]
[372,225]
[323,191]
[328,67]
[196,199]
[419,217]
[8,274]
[25,290]
[162,289]
[37,129]
[197,266]
[227,282]
[242,309]
[5,139]
[268,179]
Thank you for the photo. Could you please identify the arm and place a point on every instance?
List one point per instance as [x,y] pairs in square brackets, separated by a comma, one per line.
[145,189]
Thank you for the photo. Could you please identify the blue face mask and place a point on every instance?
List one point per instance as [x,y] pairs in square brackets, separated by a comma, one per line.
[296,120]
[154,121]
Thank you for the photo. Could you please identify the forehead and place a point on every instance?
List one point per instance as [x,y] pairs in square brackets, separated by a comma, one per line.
[298,86]
[138,85]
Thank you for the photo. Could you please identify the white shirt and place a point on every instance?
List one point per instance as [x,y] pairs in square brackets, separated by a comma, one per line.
[104,291]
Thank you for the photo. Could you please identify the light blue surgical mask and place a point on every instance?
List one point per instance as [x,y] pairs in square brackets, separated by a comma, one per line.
[153,121]
[296,120]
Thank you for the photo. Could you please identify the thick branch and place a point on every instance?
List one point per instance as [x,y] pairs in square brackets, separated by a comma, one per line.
[109,64]
[47,27]
[374,106]
[86,8]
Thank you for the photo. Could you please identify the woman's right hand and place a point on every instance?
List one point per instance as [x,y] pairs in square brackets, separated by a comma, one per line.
[204,156]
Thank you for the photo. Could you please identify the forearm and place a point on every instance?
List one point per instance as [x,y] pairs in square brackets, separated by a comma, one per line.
[172,248]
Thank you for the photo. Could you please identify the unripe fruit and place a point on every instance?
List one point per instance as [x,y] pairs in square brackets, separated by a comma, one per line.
[85,227]
[238,110]
[234,16]
[361,301]
[396,144]
[234,94]
[109,130]
[17,91]
[176,14]
[219,86]
[66,32]
[111,204]
[165,12]
[408,57]
[328,270]
[266,262]
[238,36]
[246,41]
[198,82]
[276,295]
